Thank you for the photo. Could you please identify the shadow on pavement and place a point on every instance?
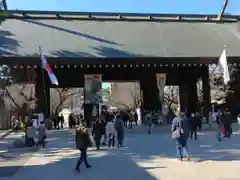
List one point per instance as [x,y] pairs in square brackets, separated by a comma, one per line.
[205,148]
[106,165]
[58,159]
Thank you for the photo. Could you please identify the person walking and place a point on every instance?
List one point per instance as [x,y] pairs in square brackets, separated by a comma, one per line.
[61,120]
[30,133]
[119,126]
[110,130]
[198,118]
[135,117]
[149,122]
[82,141]
[219,125]
[180,133]
[97,132]
[193,124]
[130,119]
[42,134]
[238,120]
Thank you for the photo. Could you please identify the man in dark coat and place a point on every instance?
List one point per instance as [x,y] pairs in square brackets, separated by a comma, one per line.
[82,141]
[119,126]
[193,124]
[61,118]
[98,131]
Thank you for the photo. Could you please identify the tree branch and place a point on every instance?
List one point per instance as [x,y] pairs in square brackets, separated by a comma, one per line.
[63,98]
[26,98]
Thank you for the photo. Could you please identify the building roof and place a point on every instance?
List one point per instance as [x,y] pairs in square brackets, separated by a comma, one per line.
[71,34]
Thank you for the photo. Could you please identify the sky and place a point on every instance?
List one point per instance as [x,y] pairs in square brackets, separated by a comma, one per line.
[134,6]
[140,6]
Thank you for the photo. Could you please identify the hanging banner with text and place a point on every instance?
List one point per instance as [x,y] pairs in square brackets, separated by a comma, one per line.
[161,81]
[93,88]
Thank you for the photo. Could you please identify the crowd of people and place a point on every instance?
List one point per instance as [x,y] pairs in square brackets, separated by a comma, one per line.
[108,130]
[185,127]
[35,132]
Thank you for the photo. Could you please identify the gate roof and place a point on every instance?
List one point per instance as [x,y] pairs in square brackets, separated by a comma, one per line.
[74,34]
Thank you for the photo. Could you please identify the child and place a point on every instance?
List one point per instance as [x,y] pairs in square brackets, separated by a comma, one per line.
[42,134]
[36,139]
[30,135]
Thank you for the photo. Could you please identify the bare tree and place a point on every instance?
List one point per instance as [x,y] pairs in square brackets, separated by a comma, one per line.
[124,95]
[20,98]
[171,95]
[136,95]
[60,97]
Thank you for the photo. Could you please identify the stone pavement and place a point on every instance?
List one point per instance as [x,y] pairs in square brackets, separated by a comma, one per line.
[11,140]
[4,133]
[12,153]
[167,128]
[146,157]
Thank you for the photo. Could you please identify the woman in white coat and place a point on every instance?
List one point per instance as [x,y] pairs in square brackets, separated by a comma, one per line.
[110,130]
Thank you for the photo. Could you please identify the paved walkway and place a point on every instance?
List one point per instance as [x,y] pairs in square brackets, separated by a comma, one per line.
[4,133]
[146,157]
[10,140]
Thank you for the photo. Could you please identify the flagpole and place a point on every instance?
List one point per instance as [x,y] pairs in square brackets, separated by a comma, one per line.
[44,85]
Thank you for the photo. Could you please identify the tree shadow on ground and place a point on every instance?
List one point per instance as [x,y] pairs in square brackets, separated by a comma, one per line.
[8,45]
[204,149]
[73,32]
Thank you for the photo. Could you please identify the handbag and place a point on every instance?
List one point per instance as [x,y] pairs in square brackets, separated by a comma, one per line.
[176,134]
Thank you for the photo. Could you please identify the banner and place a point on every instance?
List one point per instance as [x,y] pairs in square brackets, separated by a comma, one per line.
[93,88]
[161,81]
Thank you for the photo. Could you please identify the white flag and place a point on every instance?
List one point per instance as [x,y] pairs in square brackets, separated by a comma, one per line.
[223,67]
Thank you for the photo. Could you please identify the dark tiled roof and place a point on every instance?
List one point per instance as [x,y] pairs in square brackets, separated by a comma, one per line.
[93,37]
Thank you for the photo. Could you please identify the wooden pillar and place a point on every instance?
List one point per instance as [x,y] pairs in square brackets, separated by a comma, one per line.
[88,113]
[188,92]
[47,101]
[39,91]
[148,84]
[206,91]
[42,93]
[192,95]
[183,92]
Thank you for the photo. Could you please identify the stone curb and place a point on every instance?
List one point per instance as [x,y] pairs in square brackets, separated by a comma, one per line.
[5,134]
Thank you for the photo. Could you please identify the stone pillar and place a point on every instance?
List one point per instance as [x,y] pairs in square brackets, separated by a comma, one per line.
[206,91]
[148,84]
